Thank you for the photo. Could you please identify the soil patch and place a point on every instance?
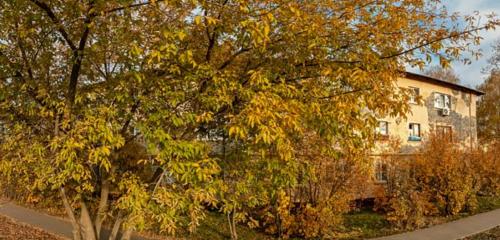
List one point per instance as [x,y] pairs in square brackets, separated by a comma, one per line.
[12,230]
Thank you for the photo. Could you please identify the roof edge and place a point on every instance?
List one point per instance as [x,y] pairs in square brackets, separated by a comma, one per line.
[441,82]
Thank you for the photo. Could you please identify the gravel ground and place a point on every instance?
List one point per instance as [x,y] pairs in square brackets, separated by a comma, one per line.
[11,230]
[493,234]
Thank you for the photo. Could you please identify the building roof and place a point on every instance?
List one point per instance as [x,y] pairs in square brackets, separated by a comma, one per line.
[436,81]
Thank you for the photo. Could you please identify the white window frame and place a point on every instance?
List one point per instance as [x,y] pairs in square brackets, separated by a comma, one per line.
[414,131]
[442,101]
[379,129]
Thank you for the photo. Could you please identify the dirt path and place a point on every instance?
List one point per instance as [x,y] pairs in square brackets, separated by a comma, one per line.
[11,230]
[48,223]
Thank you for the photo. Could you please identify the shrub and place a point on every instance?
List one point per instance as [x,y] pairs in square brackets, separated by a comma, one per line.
[436,180]
[328,182]
[307,220]
[485,162]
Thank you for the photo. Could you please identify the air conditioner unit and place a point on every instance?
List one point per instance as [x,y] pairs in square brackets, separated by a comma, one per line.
[445,112]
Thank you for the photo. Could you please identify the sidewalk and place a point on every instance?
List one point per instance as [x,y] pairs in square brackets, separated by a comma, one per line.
[448,231]
[453,230]
[54,225]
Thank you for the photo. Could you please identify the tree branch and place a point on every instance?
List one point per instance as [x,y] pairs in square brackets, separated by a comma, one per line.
[131,6]
[212,39]
[24,57]
[56,21]
[69,210]
[452,35]
[345,93]
[357,8]
[103,207]
[231,59]
[78,58]
[116,227]
[132,112]
[31,91]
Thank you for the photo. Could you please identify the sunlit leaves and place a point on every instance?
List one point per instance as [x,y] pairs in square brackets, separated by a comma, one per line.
[184,103]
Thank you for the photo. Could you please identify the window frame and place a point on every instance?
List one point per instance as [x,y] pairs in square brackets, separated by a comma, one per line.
[381,171]
[377,130]
[411,132]
[414,95]
[445,100]
[444,131]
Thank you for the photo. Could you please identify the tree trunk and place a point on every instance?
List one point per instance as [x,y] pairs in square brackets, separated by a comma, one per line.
[235,231]
[116,228]
[103,206]
[77,235]
[127,234]
[232,225]
[86,222]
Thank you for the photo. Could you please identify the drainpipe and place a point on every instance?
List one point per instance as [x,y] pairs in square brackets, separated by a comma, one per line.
[470,121]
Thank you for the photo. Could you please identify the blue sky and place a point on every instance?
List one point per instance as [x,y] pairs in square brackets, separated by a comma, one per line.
[471,75]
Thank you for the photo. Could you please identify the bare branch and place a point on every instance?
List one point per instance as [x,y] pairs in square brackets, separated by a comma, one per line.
[452,35]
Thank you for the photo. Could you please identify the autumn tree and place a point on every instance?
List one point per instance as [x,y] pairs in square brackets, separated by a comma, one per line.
[138,114]
[494,60]
[445,74]
[489,105]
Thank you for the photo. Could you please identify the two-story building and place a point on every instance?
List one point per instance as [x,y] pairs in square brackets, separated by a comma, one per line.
[447,108]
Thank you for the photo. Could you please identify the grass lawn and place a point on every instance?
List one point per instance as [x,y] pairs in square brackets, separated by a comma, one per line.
[358,225]
[486,204]
[368,224]
[365,224]
[215,226]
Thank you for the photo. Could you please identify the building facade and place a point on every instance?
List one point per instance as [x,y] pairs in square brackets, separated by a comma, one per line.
[436,106]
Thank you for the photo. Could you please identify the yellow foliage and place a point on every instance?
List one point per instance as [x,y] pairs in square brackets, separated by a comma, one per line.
[441,179]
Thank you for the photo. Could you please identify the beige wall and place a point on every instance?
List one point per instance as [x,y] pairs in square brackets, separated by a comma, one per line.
[462,118]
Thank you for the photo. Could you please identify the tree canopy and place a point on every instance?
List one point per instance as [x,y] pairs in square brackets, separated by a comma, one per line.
[443,74]
[145,113]
[489,106]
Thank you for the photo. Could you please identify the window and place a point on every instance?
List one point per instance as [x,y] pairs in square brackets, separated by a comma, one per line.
[444,132]
[135,131]
[383,128]
[414,132]
[415,92]
[380,171]
[442,101]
